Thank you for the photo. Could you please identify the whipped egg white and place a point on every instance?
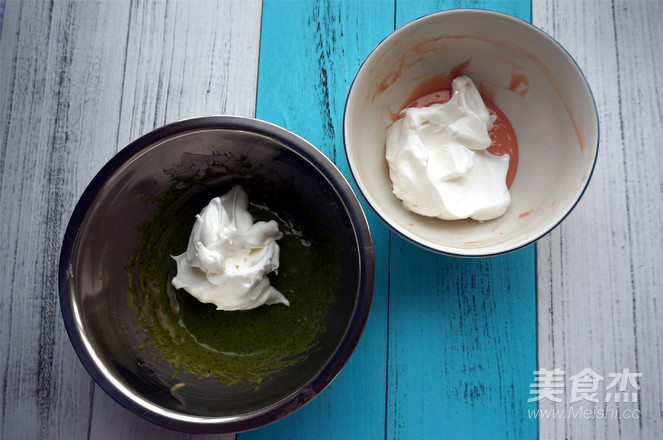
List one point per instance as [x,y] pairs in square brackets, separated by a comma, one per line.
[229,256]
[438,161]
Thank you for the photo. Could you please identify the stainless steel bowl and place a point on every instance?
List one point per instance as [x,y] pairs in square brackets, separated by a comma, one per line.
[177,169]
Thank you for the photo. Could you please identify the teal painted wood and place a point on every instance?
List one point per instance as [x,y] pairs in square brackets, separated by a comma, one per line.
[309,53]
[408,10]
[450,346]
[462,345]
[462,332]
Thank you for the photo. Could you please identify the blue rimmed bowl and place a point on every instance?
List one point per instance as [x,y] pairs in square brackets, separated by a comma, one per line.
[532,80]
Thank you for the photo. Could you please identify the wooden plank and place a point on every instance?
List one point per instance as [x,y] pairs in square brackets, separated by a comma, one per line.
[54,134]
[2,13]
[182,59]
[79,80]
[186,59]
[462,332]
[309,54]
[462,345]
[599,289]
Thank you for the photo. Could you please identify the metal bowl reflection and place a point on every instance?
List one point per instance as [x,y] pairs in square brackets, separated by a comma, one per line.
[169,174]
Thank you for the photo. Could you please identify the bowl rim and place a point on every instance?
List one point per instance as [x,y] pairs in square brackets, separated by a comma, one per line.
[413,238]
[126,396]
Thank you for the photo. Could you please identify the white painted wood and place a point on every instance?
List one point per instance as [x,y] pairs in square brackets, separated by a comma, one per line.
[188,58]
[599,295]
[78,81]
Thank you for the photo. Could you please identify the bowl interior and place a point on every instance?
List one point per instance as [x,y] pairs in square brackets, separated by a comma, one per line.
[526,74]
[129,316]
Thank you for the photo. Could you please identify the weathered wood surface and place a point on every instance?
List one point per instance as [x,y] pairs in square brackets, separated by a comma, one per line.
[80,79]
[599,296]
[449,353]
[462,331]
[309,53]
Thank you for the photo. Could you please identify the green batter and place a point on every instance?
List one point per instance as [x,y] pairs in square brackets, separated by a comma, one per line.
[239,347]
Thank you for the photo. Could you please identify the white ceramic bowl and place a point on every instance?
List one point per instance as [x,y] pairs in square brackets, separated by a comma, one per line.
[527,74]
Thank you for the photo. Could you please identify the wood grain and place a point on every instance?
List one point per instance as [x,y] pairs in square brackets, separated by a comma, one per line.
[598,284]
[309,54]
[43,382]
[80,80]
[435,305]
[462,331]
